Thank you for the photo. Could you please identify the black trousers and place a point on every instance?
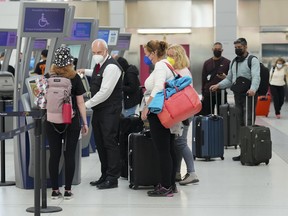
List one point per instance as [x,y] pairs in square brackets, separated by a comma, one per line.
[278,97]
[70,136]
[240,102]
[206,104]
[164,141]
[105,123]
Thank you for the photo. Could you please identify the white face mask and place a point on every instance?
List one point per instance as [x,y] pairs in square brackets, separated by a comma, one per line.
[98,58]
[279,66]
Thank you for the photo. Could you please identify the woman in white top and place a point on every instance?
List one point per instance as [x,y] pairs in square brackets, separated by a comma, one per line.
[177,57]
[155,52]
[278,74]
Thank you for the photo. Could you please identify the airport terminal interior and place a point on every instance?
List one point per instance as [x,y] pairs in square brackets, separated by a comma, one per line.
[225,187]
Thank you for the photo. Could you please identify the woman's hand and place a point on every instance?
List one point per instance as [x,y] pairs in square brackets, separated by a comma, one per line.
[144,113]
[84,129]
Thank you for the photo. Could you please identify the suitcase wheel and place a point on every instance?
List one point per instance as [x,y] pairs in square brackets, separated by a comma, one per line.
[235,146]
[134,187]
[242,163]
[267,162]
[222,158]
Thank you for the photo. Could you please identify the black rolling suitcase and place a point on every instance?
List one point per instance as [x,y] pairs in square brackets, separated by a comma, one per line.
[231,124]
[130,124]
[256,144]
[143,161]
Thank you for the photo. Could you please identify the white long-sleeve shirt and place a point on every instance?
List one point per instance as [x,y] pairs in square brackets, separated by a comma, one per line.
[111,75]
[155,82]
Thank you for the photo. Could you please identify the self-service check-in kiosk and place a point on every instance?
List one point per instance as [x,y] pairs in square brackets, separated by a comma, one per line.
[123,44]
[8,42]
[36,21]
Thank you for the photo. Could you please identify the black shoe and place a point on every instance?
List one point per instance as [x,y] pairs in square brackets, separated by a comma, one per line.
[236,158]
[108,184]
[99,181]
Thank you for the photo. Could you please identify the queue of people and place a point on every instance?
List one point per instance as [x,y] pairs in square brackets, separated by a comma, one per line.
[115,90]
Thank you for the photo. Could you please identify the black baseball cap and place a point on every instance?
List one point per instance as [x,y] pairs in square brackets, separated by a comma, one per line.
[241,41]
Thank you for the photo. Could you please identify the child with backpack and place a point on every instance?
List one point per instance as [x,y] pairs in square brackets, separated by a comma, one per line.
[64,88]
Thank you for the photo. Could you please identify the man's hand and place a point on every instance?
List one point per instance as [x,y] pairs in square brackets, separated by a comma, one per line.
[214,87]
[250,92]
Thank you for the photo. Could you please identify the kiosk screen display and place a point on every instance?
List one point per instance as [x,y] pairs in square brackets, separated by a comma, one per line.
[8,39]
[81,31]
[109,35]
[123,42]
[44,20]
[40,44]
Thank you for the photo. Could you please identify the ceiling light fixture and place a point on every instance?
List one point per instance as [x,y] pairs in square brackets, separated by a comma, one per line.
[164,31]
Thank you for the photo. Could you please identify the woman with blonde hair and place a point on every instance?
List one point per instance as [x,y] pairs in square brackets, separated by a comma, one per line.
[177,57]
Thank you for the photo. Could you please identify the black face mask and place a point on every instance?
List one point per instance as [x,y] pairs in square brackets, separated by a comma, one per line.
[217,53]
[239,52]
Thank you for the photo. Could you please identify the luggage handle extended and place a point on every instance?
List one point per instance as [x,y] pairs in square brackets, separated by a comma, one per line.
[246,112]
[216,98]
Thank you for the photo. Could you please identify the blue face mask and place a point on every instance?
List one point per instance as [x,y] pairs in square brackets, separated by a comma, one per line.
[147,60]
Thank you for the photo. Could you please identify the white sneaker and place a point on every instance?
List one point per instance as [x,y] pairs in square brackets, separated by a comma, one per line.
[189,178]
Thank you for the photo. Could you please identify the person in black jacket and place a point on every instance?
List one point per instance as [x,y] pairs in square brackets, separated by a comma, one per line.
[40,67]
[131,87]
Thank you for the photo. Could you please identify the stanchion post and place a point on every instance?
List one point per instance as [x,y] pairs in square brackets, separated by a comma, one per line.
[38,142]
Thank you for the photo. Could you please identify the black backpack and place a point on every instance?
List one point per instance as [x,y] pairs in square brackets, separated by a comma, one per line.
[264,75]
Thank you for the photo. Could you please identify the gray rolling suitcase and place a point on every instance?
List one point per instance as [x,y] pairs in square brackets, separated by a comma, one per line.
[256,144]
[231,124]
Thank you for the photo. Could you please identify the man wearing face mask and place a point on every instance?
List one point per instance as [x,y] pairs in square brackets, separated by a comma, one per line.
[214,70]
[278,75]
[106,102]
[240,68]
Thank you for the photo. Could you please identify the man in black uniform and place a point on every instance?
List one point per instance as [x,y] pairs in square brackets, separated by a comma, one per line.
[214,70]
[106,102]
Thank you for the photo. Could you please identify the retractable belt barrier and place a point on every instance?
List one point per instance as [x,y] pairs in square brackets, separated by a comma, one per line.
[37,116]
[12,133]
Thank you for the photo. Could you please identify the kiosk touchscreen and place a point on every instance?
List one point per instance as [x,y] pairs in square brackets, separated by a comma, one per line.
[110,35]
[8,42]
[40,44]
[8,38]
[124,40]
[123,44]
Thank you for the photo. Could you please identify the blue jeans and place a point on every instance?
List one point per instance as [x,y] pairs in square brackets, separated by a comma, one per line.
[182,150]
[128,112]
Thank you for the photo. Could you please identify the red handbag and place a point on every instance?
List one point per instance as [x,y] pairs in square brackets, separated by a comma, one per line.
[180,106]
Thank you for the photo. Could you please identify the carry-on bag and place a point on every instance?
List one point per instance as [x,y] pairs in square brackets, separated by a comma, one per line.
[256,144]
[208,136]
[263,105]
[144,168]
[130,124]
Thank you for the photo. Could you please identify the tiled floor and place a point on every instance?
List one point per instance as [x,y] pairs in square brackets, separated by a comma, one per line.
[226,188]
